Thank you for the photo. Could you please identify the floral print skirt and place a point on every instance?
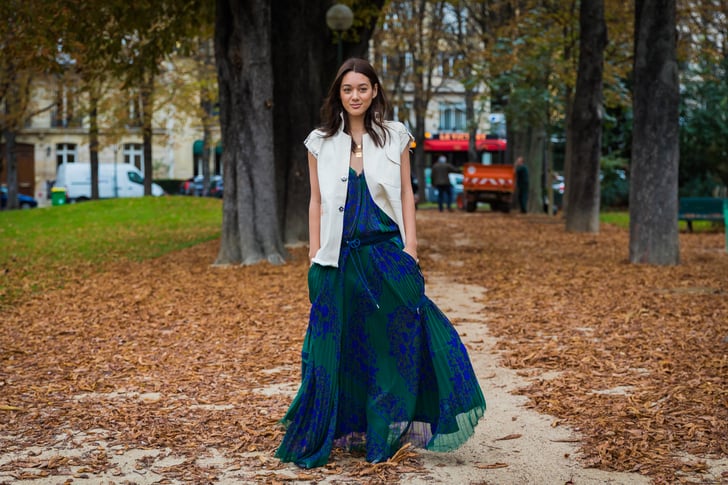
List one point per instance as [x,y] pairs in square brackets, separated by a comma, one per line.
[382,366]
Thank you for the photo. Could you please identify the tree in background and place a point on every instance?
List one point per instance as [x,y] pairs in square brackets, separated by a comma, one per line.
[266,174]
[208,94]
[585,123]
[703,48]
[653,199]
[250,231]
[523,66]
[304,63]
[415,36]
[148,33]
[704,128]
[469,38]
[90,52]
[29,34]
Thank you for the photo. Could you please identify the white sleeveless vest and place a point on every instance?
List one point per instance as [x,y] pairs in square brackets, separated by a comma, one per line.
[382,175]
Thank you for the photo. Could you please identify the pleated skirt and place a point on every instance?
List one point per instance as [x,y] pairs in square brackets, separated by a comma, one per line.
[382,366]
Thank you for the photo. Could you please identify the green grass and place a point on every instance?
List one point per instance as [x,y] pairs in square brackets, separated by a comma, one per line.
[621,219]
[40,246]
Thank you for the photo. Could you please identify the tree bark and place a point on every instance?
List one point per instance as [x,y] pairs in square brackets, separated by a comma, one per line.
[535,161]
[250,231]
[472,121]
[93,145]
[585,130]
[653,201]
[11,168]
[147,100]
[302,45]
[12,108]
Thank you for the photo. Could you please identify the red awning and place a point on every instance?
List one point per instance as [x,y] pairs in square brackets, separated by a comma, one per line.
[445,146]
[462,145]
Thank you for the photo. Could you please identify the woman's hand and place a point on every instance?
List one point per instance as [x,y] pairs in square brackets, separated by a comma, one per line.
[412,252]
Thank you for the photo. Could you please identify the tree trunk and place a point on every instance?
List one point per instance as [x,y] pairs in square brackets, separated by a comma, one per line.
[206,147]
[653,201]
[147,100]
[205,65]
[301,44]
[243,55]
[585,131]
[535,161]
[93,145]
[568,108]
[12,103]
[12,168]
[472,124]
[206,106]
[418,160]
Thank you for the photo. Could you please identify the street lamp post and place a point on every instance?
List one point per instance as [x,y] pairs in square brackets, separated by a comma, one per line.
[339,18]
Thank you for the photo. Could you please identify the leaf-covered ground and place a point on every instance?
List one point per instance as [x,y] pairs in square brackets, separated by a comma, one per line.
[176,355]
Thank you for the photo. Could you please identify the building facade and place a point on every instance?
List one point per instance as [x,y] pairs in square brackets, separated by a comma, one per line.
[58,132]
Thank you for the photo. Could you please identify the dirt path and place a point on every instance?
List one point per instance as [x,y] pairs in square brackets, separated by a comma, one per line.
[541,454]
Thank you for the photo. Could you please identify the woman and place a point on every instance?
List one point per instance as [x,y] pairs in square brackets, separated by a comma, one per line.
[382,366]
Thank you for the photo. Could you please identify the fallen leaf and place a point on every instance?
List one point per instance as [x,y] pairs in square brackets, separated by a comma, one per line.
[509,437]
[491,466]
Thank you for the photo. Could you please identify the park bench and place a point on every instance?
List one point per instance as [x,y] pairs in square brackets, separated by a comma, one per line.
[700,209]
[704,209]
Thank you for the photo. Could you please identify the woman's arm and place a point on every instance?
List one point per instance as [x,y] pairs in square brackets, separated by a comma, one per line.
[408,205]
[314,209]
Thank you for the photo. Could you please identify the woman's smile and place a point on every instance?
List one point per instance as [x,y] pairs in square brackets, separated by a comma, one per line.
[356,93]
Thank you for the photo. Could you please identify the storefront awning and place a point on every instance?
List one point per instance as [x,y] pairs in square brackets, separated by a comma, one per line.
[198,144]
[433,145]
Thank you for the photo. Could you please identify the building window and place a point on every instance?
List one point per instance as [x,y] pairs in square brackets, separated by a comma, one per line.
[134,110]
[445,67]
[65,153]
[63,114]
[134,154]
[452,117]
[409,61]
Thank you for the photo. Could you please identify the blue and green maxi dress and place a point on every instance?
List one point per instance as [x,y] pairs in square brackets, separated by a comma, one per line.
[382,365]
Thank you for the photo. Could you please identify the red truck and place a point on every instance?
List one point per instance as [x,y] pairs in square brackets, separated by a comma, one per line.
[490,180]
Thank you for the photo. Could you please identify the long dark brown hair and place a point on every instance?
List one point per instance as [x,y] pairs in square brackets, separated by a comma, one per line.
[332,109]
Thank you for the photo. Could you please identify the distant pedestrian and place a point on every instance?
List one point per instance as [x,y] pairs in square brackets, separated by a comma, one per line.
[382,365]
[522,184]
[440,176]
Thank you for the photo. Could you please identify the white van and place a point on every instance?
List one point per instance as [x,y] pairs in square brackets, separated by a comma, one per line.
[127,181]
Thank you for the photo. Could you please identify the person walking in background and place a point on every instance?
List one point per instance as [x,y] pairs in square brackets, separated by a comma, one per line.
[522,184]
[382,365]
[440,177]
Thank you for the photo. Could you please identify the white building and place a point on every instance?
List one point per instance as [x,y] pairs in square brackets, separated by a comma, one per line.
[60,134]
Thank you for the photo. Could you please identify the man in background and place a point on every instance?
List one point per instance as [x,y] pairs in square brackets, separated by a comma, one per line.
[522,184]
[441,181]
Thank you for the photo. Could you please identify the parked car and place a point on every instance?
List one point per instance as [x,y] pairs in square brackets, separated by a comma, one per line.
[614,189]
[194,186]
[187,187]
[558,186]
[456,180]
[24,201]
[216,187]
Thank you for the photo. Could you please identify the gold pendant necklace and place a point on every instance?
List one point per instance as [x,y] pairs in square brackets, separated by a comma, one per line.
[358,151]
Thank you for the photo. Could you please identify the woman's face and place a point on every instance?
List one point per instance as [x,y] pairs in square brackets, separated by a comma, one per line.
[356,93]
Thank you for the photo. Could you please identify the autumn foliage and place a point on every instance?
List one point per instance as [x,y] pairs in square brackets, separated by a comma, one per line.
[194,361]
